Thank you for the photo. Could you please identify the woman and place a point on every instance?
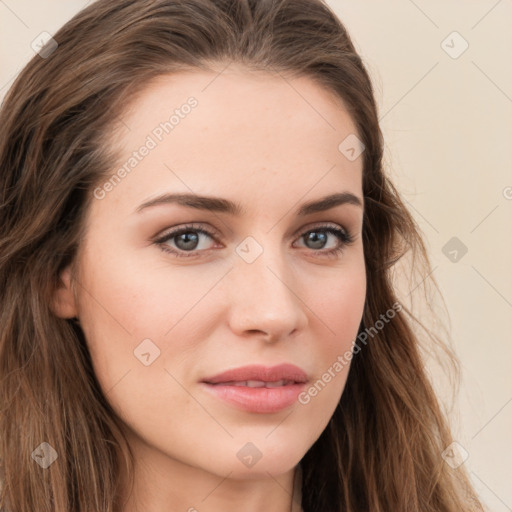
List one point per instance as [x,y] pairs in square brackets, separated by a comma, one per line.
[197,246]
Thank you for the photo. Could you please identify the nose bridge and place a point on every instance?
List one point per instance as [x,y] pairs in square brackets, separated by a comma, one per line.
[263,298]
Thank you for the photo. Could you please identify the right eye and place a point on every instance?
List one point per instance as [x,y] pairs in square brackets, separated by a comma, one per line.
[186,240]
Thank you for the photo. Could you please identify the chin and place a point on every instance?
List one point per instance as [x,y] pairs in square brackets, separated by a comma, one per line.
[260,471]
[273,460]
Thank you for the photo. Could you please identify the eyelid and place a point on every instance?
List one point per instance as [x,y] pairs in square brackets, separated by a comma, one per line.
[318,225]
[192,226]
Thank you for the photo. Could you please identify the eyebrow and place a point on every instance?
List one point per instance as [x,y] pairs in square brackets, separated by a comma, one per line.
[220,205]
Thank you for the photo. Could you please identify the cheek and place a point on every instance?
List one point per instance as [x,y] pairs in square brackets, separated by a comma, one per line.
[342,311]
[130,319]
[339,304]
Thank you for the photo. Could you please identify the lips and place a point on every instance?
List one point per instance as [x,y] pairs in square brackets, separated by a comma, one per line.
[258,389]
[255,376]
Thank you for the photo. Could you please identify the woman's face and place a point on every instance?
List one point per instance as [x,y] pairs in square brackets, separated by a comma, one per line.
[252,287]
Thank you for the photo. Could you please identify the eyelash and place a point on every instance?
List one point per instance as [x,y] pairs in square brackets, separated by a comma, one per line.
[345,238]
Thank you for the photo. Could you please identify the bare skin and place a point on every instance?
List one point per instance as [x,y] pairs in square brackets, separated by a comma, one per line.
[251,139]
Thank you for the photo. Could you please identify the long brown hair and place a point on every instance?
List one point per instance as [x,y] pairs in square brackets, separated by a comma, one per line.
[382,450]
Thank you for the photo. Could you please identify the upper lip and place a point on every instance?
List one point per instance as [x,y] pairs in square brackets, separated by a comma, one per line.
[260,373]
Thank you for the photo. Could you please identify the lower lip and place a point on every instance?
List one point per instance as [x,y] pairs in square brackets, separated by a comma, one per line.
[260,400]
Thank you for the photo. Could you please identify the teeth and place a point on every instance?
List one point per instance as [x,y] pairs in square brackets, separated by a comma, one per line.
[276,384]
[258,383]
[255,384]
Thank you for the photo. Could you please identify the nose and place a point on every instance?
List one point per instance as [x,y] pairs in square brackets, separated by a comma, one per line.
[265,299]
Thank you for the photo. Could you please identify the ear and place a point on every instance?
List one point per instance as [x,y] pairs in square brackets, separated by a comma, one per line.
[63,302]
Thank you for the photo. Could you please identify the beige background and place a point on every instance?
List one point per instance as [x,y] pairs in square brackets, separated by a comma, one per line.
[447,121]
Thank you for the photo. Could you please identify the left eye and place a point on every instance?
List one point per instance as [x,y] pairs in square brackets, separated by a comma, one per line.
[187,240]
[320,235]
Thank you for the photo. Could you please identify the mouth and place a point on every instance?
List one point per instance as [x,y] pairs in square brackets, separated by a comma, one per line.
[257,388]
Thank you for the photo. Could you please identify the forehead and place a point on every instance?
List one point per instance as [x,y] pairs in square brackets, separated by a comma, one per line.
[252,131]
